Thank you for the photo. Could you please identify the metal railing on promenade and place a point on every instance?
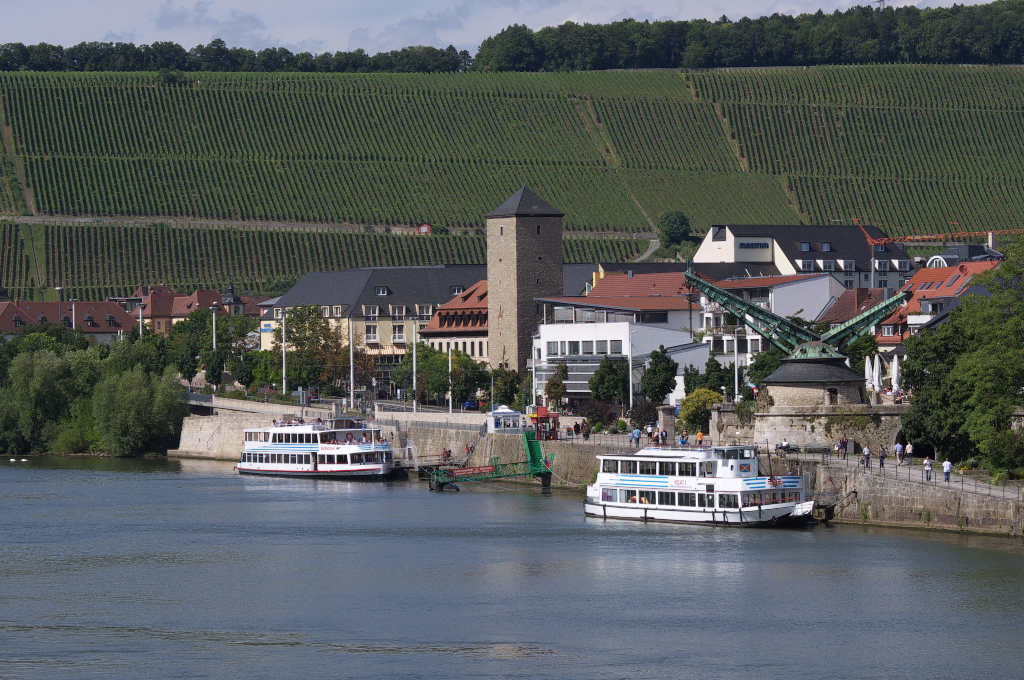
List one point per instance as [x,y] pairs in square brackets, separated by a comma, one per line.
[915,472]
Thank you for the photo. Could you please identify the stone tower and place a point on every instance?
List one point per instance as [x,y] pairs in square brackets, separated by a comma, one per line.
[524,261]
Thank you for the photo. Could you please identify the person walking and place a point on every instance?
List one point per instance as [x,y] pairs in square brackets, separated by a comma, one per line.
[947,467]
[636,437]
[927,469]
[700,437]
[881,456]
[867,457]
[910,454]
[631,438]
[899,453]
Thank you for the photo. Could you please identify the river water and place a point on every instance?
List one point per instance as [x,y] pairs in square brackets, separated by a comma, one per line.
[167,569]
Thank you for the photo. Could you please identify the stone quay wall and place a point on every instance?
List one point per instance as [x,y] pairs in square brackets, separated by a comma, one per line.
[218,436]
[824,425]
[891,501]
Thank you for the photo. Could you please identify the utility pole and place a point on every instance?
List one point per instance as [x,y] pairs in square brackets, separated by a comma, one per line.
[140,322]
[73,301]
[736,363]
[213,309]
[451,391]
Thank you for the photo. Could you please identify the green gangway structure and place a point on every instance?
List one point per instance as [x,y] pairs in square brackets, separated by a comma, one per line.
[534,465]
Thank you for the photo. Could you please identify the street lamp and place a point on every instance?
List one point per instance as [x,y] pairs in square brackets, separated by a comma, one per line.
[214,307]
[630,340]
[73,301]
[58,289]
[451,390]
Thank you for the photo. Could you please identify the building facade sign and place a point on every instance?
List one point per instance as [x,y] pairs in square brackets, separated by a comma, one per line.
[753,250]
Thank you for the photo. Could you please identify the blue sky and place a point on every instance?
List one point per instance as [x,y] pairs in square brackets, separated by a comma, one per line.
[320,25]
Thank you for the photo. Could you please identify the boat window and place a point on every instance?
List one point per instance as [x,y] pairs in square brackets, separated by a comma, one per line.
[790,496]
[610,466]
[667,469]
[688,499]
[274,439]
[747,453]
[705,500]
[321,459]
[308,458]
[356,458]
[648,467]
[771,498]
[342,460]
[369,457]
[728,500]
[751,499]
[718,453]
[628,467]
[627,496]
[261,458]
[666,498]
[732,454]
[707,468]
[330,459]
[687,469]
[610,495]
[647,497]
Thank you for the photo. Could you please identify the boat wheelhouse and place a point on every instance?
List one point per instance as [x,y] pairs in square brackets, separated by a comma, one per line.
[335,449]
[721,485]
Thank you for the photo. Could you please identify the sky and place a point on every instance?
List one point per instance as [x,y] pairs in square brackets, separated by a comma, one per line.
[331,25]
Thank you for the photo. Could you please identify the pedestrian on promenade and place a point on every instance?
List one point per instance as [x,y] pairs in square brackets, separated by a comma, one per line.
[947,467]
[867,457]
[899,453]
[631,438]
[700,437]
[636,437]
[910,453]
[927,469]
[881,456]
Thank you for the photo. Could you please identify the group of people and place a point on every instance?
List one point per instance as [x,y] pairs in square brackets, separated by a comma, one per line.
[580,430]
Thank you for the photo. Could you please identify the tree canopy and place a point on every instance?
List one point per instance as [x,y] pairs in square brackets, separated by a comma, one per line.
[659,379]
[967,375]
[610,381]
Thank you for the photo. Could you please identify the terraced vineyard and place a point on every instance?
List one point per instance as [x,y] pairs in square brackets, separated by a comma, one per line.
[94,262]
[15,265]
[911,148]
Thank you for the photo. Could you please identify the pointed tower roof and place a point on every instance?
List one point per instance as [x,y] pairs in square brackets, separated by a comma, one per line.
[525,203]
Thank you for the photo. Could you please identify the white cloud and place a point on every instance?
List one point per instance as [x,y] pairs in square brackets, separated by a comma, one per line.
[317,25]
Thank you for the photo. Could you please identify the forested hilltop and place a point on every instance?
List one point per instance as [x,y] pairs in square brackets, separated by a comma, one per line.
[977,34]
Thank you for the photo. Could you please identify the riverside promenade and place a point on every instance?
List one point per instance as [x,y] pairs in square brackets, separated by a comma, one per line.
[900,495]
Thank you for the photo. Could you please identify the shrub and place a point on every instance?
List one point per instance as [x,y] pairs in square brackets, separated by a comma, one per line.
[621,425]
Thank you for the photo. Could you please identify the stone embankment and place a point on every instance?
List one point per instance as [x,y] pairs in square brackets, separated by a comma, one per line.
[902,498]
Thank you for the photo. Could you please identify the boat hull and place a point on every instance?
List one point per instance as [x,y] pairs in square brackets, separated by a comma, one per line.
[787,514]
[369,475]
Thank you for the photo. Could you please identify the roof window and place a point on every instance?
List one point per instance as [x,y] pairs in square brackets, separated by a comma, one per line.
[457,290]
[805,247]
[380,290]
[826,247]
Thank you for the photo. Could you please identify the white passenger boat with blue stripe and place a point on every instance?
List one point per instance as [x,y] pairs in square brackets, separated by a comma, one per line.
[335,449]
[721,485]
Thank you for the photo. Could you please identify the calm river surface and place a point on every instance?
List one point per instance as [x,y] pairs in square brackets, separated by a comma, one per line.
[165,569]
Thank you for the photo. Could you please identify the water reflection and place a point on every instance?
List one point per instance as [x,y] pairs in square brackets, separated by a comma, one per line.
[184,568]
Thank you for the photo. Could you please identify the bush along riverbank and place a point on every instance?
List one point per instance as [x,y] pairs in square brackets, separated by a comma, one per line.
[64,394]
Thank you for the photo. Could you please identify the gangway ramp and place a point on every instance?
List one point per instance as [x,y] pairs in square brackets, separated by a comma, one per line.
[535,465]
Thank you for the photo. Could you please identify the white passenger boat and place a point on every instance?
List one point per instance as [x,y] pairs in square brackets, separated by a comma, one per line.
[337,448]
[722,485]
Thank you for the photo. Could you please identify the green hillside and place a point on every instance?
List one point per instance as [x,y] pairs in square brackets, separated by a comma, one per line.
[92,262]
[911,148]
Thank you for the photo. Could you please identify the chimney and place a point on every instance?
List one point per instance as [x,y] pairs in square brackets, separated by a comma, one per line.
[629,273]
[991,241]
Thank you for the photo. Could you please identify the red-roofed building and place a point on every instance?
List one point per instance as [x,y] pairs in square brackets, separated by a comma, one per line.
[462,320]
[850,304]
[930,292]
[162,306]
[100,320]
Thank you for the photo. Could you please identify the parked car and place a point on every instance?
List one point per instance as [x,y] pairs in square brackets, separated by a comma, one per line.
[471,405]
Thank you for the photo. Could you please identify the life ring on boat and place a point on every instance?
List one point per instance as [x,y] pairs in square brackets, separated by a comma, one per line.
[775,481]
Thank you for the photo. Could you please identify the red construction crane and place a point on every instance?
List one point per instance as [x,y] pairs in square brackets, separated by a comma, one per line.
[932,237]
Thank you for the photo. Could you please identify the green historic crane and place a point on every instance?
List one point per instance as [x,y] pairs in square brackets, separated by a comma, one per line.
[534,465]
[785,334]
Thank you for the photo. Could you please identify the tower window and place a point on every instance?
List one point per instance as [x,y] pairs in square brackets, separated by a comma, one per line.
[501,231]
[538,230]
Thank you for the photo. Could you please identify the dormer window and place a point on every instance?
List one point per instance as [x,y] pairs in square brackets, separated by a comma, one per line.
[456,290]
[380,290]
[826,247]
[805,247]
[110,319]
[17,321]
[880,247]
[887,331]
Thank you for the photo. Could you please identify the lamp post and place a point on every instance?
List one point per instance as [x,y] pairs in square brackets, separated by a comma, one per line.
[213,308]
[451,390]
[351,366]
[630,341]
[415,339]
[58,289]
[284,355]
[73,301]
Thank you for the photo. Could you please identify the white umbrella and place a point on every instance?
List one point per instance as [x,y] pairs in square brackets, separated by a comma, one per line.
[847,362]
[895,372]
[878,373]
[869,374]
